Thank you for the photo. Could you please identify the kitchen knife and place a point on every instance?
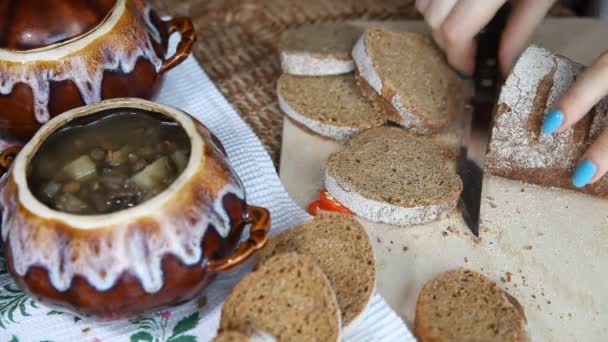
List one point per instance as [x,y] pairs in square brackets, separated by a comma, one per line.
[487,81]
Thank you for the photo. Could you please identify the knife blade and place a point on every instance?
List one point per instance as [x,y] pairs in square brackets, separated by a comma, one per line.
[477,131]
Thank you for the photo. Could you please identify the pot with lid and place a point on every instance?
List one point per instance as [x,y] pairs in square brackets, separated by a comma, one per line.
[56,55]
[112,225]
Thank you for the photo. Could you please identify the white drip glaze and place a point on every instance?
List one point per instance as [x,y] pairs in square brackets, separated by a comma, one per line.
[119,245]
[116,51]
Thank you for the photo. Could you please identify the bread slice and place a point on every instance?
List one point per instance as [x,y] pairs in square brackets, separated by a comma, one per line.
[331,106]
[406,77]
[340,246]
[462,305]
[319,49]
[289,298]
[387,175]
[518,150]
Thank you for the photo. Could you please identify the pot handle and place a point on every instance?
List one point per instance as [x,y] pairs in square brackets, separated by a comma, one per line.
[259,218]
[6,158]
[184,27]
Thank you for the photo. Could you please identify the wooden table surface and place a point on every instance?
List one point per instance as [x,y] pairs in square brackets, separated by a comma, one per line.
[237,46]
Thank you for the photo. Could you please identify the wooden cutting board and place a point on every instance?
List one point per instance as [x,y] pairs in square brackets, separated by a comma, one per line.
[547,247]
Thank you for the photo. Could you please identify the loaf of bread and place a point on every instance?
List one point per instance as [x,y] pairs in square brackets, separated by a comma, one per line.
[462,305]
[319,49]
[340,246]
[406,77]
[518,150]
[388,175]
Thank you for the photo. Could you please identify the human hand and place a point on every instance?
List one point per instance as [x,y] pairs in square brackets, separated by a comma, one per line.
[588,89]
[455,23]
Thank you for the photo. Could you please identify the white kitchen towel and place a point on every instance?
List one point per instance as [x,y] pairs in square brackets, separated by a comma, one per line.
[187,87]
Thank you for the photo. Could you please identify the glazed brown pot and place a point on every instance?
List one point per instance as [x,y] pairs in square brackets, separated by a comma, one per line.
[158,253]
[56,55]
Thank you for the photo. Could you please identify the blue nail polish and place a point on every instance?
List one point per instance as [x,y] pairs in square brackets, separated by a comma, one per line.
[553,121]
[463,75]
[583,173]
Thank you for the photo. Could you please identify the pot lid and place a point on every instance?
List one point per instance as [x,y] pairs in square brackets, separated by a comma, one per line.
[30,24]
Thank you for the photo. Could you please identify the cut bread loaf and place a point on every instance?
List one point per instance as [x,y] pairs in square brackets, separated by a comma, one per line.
[319,49]
[518,150]
[340,246]
[387,175]
[331,106]
[462,305]
[406,77]
[289,297]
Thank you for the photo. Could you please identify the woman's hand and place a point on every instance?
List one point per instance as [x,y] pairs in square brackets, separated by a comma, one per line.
[588,89]
[455,23]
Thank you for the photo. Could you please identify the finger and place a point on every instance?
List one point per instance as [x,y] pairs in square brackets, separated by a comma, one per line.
[525,17]
[422,5]
[437,12]
[459,29]
[594,163]
[590,87]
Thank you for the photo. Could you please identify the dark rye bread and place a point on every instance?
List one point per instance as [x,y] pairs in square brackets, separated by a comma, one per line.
[407,77]
[518,150]
[289,298]
[448,138]
[462,305]
[340,246]
[331,106]
[387,175]
[319,49]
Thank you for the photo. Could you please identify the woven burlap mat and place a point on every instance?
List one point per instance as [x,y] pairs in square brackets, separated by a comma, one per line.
[237,46]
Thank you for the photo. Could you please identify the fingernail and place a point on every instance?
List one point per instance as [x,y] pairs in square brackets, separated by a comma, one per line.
[463,75]
[553,121]
[583,174]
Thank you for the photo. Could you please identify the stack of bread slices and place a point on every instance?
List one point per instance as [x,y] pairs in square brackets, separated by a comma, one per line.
[310,283]
[393,101]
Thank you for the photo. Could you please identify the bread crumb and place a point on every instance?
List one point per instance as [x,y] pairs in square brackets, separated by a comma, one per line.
[509,274]
[490,198]
[466,259]
[201,302]
[405,248]
[548,302]
[528,247]
[86,330]
[451,229]
[484,229]
[378,239]
[444,233]
[534,296]
[493,205]
[523,190]
[502,279]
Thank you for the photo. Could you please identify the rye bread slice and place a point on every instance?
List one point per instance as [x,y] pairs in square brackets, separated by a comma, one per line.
[462,305]
[340,246]
[518,150]
[416,87]
[319,49]
[331,106]
[289,297]
[387,175]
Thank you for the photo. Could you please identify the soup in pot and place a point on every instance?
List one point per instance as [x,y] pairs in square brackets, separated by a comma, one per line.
[108,162]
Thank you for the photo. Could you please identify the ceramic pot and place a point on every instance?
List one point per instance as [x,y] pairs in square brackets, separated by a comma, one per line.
[158,253]
[56,55]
